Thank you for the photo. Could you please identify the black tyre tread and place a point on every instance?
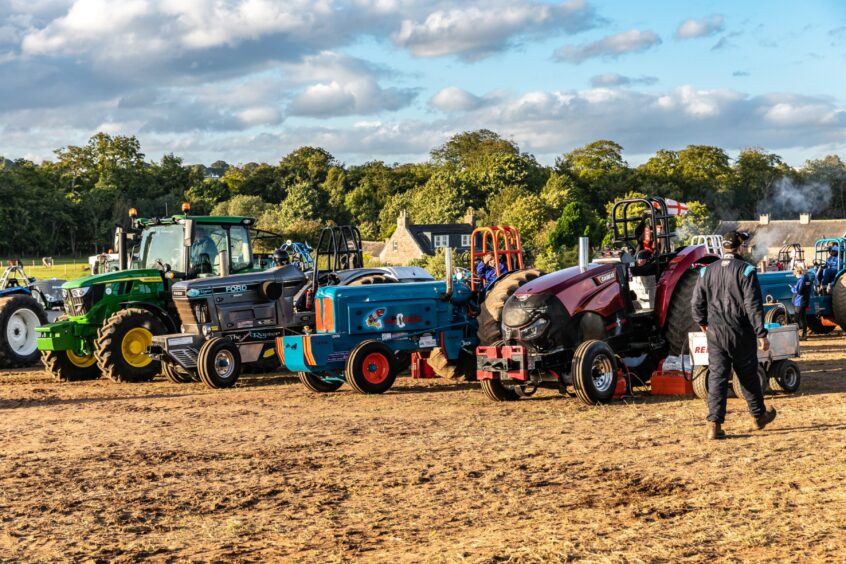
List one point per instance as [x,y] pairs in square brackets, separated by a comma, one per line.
[838,301]
[62,372]
[700,382]
[8,306]
[679,320]
[777,383]
[350,378]
[496,391]
[316,384]
[490,316]
[176,374]
[578,358]
[762,376]
[103,345]
[202,363]
[774,314]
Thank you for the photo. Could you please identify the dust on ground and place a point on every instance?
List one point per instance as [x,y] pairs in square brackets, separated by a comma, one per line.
[429,471]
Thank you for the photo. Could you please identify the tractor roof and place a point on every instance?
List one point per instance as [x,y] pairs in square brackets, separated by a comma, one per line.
[208,219]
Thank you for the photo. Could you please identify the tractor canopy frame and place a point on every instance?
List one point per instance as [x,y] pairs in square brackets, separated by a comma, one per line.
[643,224]
[501,240]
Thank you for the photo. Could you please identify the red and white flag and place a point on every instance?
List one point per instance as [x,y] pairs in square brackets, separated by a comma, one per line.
[674,207]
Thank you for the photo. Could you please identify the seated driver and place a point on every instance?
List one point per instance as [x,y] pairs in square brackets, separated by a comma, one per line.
[486,269]
[203,252]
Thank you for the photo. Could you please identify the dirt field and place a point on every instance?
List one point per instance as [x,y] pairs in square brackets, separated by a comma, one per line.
[431,471]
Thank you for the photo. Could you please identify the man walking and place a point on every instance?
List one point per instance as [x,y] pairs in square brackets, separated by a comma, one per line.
[727,306]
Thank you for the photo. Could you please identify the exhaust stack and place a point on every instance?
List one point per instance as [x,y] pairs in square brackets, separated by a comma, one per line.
[448,267]
[224,262]
[584,250]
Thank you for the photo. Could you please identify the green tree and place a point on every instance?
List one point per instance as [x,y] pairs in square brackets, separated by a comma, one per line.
[599,171]
[697,221]
[246,206]
[829,171]
[753,179]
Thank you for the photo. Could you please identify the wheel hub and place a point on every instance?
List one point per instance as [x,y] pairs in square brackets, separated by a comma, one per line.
[20,332]
[602,372]
[224,364]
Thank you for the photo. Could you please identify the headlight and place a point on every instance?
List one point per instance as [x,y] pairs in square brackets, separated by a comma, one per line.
[79,292]
[534,329]
[207,329]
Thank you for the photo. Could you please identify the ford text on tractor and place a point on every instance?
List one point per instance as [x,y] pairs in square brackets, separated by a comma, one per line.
[231,322]
[110,318]
[581,327]
[360,333]
[827,303]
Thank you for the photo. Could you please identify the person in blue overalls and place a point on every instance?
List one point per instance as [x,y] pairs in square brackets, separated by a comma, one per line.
[802,297]
[486,269]
[828,271]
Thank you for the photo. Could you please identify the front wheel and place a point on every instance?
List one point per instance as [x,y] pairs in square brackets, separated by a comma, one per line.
[176,374]
[497,391]
[371,368]
[785,376]
[219,363]
[594,372]
[122,345]
[762,378]
[67,366]
[319,382]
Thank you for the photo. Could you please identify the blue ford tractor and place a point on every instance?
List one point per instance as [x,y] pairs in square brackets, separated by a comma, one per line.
[361,332]
[827,306]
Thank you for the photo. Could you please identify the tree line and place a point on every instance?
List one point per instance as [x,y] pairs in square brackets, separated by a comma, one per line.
[70,204]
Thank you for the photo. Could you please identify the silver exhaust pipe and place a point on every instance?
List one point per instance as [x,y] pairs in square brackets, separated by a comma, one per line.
[448,267]
[224,262]
[584,251]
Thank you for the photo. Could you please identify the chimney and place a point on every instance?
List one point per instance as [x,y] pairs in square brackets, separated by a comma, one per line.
[470,217]
[764,219]
[402,219]
[804,218]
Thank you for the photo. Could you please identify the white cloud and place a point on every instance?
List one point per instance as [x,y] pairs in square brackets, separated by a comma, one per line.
[611,46]
[702,27]
[479,29]
[452,99]
[613,79]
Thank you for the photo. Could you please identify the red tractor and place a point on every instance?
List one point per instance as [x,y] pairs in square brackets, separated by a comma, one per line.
[581,327]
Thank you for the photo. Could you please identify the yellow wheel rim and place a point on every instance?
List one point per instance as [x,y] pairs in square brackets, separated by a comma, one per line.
[133,346]
[81,361]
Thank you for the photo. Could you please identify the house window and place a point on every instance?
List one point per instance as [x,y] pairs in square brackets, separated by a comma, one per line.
[394,245]
[465,240]
[441,241]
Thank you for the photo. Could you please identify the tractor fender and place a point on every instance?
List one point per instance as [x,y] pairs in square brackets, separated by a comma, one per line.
[156,310]
[685,260]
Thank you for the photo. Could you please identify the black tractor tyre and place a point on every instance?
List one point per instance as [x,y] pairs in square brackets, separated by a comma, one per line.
[679,320]
[816,326]
[490,316]
[594,372]
[317,384]
[762,378]
[371,368]
[777,315]
[109,348]
[176,374]
[785,377]
[838,301]
[700,382]
[65,369]
[219,363]
[495,390]
[19,316]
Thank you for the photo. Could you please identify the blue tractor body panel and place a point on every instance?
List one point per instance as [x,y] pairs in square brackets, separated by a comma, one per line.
[415,316]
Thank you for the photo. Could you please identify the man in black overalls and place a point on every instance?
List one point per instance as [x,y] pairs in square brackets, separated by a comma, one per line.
[727,306]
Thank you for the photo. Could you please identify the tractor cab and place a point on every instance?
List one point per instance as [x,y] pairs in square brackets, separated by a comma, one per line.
[494,252]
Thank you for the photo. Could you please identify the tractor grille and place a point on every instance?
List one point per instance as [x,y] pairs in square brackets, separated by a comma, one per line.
[81,306]
[186,357]
[186,313]
[193,311]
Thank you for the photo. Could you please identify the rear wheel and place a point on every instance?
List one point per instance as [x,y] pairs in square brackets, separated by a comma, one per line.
[19,316]
[219,363]
[371,368]
[679,317]
[67,366]
[497,391]
[319,382]
[762,378]
[122,345]
[490,316]
[594,372]
[785,376]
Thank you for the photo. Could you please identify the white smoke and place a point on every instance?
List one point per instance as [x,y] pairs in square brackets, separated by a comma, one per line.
[789,199]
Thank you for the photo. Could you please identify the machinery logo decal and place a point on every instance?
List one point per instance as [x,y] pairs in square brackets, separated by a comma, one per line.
[374,318]
[236,288]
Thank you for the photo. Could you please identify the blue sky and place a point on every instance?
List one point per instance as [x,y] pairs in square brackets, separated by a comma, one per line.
[250,80]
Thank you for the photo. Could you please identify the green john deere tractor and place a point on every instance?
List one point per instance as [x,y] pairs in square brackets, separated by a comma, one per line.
[110,318]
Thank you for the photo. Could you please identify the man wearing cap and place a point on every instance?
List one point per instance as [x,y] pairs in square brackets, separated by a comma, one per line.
[727,306]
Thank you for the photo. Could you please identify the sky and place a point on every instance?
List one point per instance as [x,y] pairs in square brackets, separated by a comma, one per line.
[251,80]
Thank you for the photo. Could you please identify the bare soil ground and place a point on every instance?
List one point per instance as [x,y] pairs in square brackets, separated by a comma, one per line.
[431,471]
